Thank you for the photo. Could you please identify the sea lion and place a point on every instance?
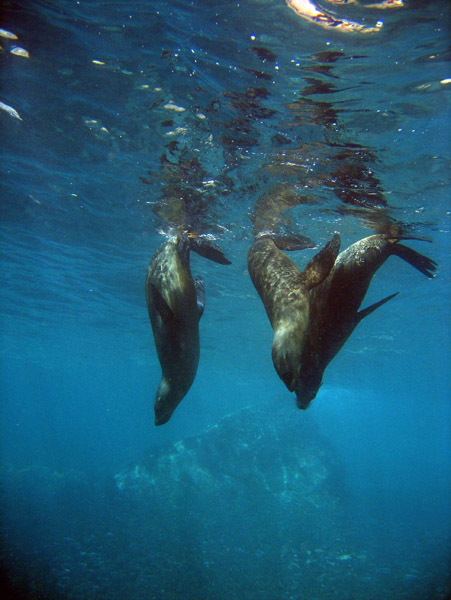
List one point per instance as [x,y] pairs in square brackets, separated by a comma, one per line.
[175,303]
[285,293]
[336,301]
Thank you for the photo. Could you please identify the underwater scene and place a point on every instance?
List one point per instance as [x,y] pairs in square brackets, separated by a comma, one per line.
[225,275]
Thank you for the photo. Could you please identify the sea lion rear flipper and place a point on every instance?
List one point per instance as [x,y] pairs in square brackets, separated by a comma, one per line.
[321,264]
[208,249]
[369,309]
[425,265]
[200,294]
[161,305]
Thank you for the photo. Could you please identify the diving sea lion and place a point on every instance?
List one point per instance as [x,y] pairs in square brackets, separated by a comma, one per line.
[336,301]
[175,303]
[285,293]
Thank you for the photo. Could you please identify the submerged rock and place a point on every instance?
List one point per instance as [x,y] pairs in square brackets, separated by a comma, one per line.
[259,457]
[239,508]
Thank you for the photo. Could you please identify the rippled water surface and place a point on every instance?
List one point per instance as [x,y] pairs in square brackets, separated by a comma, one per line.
[121,122]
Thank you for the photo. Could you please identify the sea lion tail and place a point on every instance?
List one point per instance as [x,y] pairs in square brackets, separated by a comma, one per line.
[206,248]
[321,264]
[422,263]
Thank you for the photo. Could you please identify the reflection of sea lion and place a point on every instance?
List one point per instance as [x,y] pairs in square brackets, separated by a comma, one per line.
[270,208]
[336,301]
[175,303]
[284,291]
[309,11]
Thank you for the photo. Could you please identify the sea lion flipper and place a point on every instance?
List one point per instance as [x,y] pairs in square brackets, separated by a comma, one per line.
[200,294]
[424,264]
[206,248]
[161,305]
[321,264]
[369,309]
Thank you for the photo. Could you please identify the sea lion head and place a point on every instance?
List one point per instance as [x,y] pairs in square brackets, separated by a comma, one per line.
[288,342]
[307,388]
[166,401]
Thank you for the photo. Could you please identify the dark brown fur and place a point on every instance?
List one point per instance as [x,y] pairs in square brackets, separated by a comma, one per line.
[284,291]
[175,304]
[336,301]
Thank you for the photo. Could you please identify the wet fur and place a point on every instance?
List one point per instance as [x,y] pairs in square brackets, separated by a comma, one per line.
[176,333]
[336,301]
[284,291]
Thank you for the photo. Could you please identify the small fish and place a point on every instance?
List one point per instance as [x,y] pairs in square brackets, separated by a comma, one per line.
[8,34]
[10,110]
[18,51]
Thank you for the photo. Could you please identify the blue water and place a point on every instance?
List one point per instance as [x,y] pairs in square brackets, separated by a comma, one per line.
[101,164]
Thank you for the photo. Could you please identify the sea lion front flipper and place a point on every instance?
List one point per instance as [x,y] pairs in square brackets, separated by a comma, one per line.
[200,294]
[369,309]
[321,264]
[208,249]
[161,305]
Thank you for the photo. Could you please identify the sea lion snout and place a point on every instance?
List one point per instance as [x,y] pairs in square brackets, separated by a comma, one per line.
[165,403]
[306,391]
